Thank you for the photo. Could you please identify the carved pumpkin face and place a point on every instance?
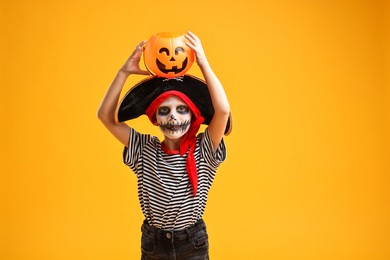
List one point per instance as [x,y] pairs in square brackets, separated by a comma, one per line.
[167,55]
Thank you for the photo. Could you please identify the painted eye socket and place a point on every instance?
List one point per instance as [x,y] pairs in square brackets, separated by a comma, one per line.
[179,49]
[164,50]
[163,111]
[183,109]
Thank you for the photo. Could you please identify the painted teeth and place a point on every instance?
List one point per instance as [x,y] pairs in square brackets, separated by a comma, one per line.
[174,128]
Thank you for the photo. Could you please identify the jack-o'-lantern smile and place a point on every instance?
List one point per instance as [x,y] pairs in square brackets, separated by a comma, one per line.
[174,69]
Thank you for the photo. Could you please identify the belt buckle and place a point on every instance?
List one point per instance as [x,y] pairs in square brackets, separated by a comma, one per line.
[169,235]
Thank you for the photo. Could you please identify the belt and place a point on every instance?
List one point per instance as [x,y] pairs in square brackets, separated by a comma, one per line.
[172,235]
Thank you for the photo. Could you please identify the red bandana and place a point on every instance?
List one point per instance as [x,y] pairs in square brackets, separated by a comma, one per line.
[189,140]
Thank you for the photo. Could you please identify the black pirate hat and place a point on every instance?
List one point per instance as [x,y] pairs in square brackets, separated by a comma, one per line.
[138,98]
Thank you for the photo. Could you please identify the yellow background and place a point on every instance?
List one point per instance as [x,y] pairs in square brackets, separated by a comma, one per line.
[307,174]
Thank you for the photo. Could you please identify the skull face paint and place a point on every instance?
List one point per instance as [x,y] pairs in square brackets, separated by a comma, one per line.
[173,118]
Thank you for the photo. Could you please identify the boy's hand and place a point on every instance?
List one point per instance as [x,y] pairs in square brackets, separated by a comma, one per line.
[194,43]
[131,66]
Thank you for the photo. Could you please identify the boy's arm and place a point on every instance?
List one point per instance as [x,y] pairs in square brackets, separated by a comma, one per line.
[218,96]
[107,109]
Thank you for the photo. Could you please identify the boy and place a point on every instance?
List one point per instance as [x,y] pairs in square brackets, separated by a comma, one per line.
[175,175]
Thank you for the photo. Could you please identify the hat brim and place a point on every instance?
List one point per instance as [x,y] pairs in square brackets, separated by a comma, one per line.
[138,98]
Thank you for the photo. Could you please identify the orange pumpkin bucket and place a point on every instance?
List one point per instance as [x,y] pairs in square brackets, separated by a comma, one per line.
[167,55]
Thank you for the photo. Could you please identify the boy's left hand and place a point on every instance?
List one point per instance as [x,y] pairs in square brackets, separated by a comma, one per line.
[195,44]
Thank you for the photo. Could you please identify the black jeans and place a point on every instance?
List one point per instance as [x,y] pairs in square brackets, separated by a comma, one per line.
[188,244]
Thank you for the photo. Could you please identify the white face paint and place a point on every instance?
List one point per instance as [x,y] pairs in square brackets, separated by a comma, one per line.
[173,117]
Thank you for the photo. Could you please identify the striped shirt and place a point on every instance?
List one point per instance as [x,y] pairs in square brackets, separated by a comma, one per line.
[164,190]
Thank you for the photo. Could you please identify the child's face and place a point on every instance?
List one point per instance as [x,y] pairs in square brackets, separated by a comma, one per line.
[173,117]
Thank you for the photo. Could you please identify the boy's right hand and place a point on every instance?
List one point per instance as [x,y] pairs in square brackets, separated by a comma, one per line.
[131,66]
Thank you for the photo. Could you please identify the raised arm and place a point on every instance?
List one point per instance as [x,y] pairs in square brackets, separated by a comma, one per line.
[107,109]
[218,96]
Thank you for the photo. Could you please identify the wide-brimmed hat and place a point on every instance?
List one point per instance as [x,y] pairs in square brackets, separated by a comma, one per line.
[138,98]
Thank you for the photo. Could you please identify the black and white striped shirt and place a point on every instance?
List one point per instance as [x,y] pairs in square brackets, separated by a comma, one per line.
[164,190]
